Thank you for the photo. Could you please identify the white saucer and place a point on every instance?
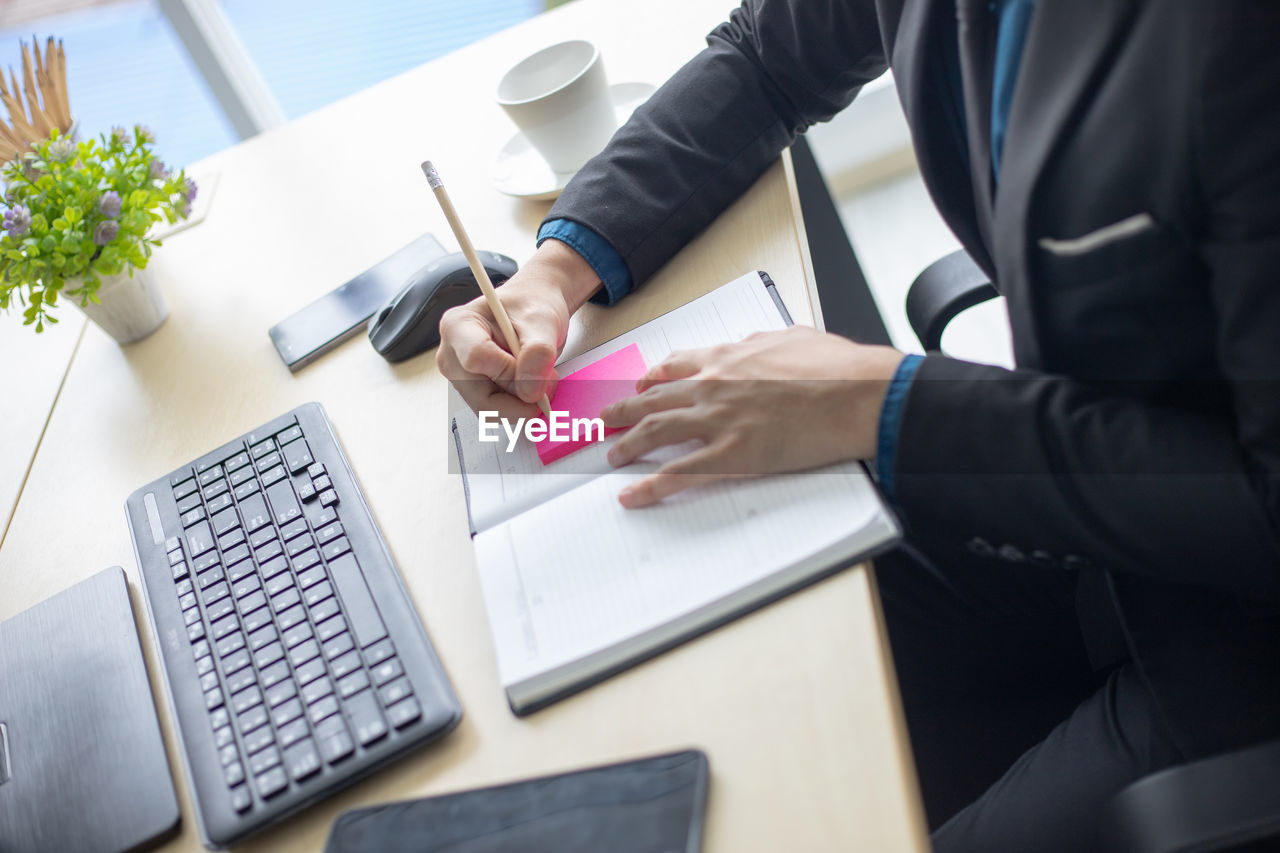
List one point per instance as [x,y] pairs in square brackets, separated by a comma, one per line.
[519,169]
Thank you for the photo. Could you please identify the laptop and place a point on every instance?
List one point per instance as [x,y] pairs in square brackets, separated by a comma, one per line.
[82,762]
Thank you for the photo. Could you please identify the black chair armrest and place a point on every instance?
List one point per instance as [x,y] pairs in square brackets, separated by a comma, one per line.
[1209,804]
[945,288]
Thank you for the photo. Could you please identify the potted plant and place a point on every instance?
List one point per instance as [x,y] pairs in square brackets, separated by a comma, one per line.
[76,220]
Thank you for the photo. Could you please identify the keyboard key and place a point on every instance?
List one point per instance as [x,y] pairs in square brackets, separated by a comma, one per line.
[190,518]
[403,713]
[317,690]
[348,663]
[279,583]
[252,718]
[328,498]
[305,560]
[329,532]
[297,455]
[324,708]
[195,632]
[233,774]
[184,586]
[230,643]
[366,718]
[238,461]
[211,474]
[324,609]
[387,670]
[312,576]
[273,567]
[220,718]
[271,783]
[248,487]
[191,616]
[275,475]
[199,538]
[271,549]
[298,545]
[217,491]
[205,561]
[303,652]
[250,604]
[310,671]
[395,691]
[291,617]
[176,557]
[254,511]
[204,664]
[353,684]
[241,679]
[264,760]
[375,655]
[360,609]
[302,760]
[223,736]
[274,674]
[235,661]
[262,637]
[213,698]
[262,448]
[339,645]
[242,476]
[284,503]
[334,739]
[201,649]
[188,503]
[293,529]
[219,609]
[280,693]
[322,483]
[240,798]
[285,600]
[336,548]
[268,654]
[299,633]
[331,628]
[208,681]
[316,470]
[241,569]
[268,460]
[328,516]
[230,540]
[186,487]
[262,537]
[257,618]
[259,739]
[245,586]
[217,592]
[225,626]
[246,699]
[287,712]
[225,520]
[291,733]
[306,492]
[290,434]
[318,593]
[179,570]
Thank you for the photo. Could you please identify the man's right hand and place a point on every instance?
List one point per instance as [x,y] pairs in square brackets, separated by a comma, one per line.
[540,298]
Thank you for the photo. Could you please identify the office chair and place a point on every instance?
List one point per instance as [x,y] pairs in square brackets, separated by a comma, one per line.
[1228,801]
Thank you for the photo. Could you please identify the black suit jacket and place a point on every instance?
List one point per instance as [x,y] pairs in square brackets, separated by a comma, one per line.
[1135,232]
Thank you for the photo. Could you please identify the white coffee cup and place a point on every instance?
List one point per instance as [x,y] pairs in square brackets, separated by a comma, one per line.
[559,98]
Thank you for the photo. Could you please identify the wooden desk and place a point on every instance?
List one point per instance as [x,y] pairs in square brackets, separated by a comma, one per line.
[796,704]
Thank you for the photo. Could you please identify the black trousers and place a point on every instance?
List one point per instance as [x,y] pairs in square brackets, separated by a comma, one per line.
[1018,742]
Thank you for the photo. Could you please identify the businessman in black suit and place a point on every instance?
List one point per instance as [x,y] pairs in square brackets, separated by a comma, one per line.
[1091,585]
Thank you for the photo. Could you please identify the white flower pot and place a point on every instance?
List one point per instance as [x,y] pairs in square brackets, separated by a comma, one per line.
[130,308]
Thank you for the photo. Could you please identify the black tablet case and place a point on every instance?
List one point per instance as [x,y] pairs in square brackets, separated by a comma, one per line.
[651,805]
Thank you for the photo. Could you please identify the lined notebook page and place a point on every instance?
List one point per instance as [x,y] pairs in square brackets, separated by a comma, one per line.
[579,575]
[502,485]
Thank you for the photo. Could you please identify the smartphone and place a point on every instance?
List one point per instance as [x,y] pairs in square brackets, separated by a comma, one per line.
[309,333]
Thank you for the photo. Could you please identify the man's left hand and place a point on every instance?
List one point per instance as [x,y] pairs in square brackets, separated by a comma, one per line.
[774,402]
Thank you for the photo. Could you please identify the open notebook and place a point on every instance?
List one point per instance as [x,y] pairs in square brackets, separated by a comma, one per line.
[577,587]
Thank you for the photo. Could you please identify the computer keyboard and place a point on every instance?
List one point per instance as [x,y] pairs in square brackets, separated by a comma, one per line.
[293,658]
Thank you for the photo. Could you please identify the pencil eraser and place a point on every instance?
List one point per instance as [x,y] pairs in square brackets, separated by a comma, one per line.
[583,394]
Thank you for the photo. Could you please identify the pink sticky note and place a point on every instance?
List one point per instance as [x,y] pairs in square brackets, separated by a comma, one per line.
[584,394]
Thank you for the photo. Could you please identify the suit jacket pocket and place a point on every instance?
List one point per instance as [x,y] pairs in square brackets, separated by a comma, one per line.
[1115,251]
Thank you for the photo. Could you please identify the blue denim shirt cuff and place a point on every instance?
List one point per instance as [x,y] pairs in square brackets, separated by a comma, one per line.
[890,415]
[597,252]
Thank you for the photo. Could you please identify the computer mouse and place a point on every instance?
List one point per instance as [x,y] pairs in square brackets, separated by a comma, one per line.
[410,322]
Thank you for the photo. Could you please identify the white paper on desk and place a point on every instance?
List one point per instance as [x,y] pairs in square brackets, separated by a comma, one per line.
[500,484]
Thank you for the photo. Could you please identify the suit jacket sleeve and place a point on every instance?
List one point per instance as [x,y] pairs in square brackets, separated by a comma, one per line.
[773,69]
[1052,464]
